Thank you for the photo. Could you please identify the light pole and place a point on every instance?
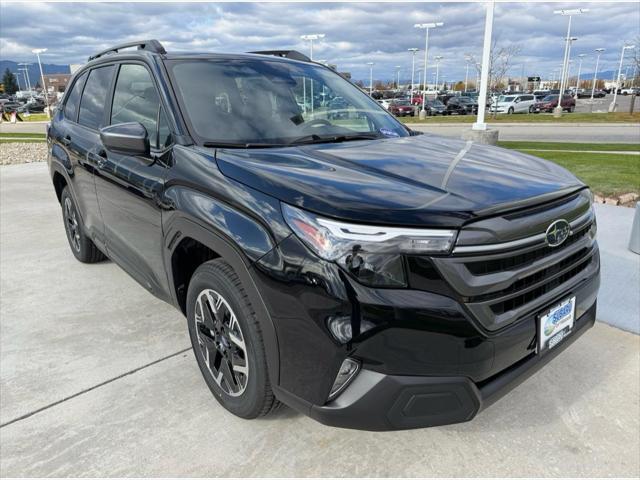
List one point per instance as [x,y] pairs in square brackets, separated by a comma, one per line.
[557,112]
[413,68]
[38,51]
[398,77]
[613,106]
[595,74]
[580,57]
[437,59]
[480,124]
[25,72]
[426,27]
[310,38]
[371,64]
[467,59]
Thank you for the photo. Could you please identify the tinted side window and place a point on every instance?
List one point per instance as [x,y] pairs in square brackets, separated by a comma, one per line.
[73,99]
[95,96]
[135,99]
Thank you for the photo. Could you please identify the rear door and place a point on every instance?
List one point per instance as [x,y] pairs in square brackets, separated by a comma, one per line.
[84,115]
[130,187]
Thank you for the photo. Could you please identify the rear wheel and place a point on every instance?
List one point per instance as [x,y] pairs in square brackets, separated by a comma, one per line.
[531,109]
[227,341]
[510,111]
[81,245]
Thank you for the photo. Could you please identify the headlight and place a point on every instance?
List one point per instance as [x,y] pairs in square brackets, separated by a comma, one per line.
[372,254]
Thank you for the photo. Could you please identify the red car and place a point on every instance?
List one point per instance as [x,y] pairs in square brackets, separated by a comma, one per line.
[401,108]
[548,103]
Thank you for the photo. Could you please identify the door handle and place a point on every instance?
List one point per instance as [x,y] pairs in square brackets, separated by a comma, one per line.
[66,141]
[100,158]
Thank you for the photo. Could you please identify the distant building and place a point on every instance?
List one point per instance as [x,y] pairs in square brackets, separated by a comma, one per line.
[56,82]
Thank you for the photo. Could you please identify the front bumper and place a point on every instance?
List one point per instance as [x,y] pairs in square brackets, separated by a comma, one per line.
[379,402]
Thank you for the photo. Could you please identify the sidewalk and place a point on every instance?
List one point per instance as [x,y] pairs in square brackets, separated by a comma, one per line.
[619,298]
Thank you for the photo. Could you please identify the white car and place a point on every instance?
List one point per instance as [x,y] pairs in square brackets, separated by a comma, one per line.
[630,91]
[384,103]
[517,103]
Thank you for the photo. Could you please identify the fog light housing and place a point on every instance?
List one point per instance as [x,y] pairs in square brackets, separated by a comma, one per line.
[348,371]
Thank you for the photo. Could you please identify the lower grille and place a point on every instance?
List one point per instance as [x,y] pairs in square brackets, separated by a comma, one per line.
[531,295]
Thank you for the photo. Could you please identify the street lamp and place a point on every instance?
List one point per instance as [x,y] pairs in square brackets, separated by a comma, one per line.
[398,77]
[438,58]
[426,27]
[371,64]
[580,57]
[595,74]
[467,58]
[25,74]
[613,106]
[413,68]
[38,51]
[310,39]
[563,83]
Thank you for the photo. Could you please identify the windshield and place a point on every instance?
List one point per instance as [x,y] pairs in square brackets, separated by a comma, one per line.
[435,103]
[271,102]
[550,98]
[502,98]
[402,102]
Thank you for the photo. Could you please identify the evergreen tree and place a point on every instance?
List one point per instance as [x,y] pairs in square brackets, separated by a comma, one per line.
[9,82]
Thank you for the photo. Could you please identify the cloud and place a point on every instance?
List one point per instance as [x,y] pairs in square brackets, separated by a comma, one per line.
[356,33]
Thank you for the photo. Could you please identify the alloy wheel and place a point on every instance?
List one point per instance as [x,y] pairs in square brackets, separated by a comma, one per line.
[221,342]
[73,228]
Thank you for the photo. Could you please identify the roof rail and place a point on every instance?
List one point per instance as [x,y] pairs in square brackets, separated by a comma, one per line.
[153,46]
[291,54]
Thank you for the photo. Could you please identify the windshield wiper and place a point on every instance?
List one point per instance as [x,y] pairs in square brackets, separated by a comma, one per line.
[242,145]
[314,138]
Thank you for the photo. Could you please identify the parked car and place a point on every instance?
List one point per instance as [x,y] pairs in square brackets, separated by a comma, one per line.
[461,106]
[435,107]
[384,103]
[630,91]
[362,273]
[550,102]
[401,108]
[586,93]
[514,104]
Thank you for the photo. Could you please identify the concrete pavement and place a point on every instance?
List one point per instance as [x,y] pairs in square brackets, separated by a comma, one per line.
[95,381]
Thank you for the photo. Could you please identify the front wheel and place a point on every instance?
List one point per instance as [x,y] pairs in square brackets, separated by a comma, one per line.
[227,342]
[510,111]
[531,109]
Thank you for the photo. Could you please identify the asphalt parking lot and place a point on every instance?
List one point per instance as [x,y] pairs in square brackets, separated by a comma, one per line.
[97,379]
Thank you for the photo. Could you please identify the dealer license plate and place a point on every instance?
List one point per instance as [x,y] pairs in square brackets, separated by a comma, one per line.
[554,326]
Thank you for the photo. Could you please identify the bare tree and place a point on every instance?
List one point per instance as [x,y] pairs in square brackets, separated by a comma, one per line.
[500,61]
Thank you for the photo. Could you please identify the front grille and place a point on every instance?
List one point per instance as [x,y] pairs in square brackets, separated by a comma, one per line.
[485,267]
[500,285]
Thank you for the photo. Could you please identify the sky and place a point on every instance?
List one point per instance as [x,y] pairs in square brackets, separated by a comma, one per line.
[355,33]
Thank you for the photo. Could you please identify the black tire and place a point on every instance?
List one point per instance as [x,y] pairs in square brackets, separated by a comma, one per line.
[257,399]
[531,109]
[510,111]
[81,245]
[572,108]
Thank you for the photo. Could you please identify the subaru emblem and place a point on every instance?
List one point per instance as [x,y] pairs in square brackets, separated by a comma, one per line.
[557,233]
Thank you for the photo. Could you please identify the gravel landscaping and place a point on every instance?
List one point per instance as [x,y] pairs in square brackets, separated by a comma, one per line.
[19,152]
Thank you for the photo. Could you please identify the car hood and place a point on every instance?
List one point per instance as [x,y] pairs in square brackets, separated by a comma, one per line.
[417,180]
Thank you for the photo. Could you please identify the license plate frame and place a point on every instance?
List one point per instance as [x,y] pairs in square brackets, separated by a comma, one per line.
[556,324]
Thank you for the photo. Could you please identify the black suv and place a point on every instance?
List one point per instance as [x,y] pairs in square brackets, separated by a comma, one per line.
[363,274]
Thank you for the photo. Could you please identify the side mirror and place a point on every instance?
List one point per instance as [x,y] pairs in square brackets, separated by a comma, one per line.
[128,138]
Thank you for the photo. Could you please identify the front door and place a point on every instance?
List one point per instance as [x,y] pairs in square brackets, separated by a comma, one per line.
[129,187]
